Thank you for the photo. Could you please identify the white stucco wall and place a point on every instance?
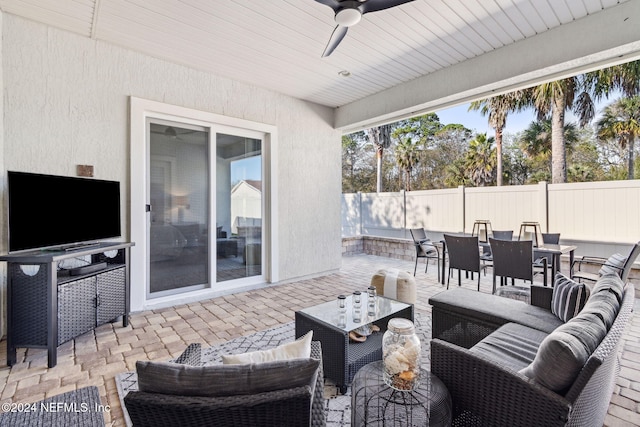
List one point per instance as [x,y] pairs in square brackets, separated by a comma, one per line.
[3,185]
[66,103]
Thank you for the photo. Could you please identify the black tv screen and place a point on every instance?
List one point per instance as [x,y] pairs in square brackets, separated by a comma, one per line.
[48,211]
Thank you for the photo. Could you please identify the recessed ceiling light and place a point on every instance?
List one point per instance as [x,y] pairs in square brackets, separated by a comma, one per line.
[344,73]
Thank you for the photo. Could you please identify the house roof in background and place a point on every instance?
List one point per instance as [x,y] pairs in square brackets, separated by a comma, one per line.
[402,61]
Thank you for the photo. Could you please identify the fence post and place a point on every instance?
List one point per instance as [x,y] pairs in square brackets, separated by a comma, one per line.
[359,193]
[404,213]
[464,206]
[543,202]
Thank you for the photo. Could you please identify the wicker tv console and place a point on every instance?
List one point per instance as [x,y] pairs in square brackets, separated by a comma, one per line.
[47,306]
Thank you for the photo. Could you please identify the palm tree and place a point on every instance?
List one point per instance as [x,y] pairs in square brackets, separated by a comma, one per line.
[536,139]
[554,98]
[480,160]
[407,158]
[380,137]
[621,121]
[537,142]
[498,108]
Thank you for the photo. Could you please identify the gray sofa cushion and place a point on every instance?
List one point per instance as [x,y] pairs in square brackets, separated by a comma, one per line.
[225,380]
[568,298]
[494,310]
[511,344]
[563,353]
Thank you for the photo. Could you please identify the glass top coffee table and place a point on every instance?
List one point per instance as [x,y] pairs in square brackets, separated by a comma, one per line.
[341,358]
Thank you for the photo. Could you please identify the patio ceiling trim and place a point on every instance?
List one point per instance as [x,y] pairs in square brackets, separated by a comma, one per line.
[605,38]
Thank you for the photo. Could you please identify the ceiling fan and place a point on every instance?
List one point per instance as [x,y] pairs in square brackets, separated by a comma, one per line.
[349,13]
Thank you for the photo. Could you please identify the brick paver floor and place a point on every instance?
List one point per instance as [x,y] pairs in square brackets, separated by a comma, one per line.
[96,357]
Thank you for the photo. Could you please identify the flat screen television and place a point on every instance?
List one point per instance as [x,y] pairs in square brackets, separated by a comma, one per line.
[50,212]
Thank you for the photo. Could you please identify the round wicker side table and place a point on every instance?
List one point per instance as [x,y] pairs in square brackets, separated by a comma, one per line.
[373,403]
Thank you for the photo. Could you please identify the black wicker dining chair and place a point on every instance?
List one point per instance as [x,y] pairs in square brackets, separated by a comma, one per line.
[424,249]
[514,259]
[499,235]
[464,254]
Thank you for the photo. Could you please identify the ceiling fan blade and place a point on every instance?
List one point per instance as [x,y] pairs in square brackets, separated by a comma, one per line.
[333,4]
[376,5]
[336,37]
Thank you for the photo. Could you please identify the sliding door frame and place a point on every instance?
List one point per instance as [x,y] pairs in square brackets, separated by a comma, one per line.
[142,110]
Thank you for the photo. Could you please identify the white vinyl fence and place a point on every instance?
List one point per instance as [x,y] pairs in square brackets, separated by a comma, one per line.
[598,217]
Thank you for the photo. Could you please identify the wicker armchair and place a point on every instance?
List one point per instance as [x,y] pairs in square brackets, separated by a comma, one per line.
[299,406]
[486,392]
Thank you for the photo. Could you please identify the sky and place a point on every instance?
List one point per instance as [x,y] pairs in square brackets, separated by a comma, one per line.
[516,122]
[478,123]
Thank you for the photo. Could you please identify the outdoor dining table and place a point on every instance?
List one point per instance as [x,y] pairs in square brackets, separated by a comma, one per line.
[548,248]
[556,251]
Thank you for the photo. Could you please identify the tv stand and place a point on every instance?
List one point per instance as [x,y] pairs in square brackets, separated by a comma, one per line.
[80,246]
[47,307]
[86,269]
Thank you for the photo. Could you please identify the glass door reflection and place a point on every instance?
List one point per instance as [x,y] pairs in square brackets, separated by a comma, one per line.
[239,207]
[178,186]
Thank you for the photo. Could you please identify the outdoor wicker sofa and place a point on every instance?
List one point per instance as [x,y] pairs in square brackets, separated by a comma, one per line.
[295,406]
[484,347]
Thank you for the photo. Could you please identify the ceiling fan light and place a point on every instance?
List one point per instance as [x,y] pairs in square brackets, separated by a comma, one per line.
[348,17]
[170,132]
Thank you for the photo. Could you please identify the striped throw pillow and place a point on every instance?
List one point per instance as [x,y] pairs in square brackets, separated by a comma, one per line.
[568,297]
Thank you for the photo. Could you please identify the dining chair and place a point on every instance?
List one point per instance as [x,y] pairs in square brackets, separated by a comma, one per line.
[464,254]
[424,249]
[552,239]
[514,259]
[503,234]
[616,263]
[499,235]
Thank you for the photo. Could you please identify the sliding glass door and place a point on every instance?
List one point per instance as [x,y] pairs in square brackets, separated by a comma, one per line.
[189,225]
[200,206]
[178,192]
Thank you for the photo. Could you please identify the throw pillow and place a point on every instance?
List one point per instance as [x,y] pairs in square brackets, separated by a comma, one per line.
[610,283]
[190,356]
[605,305]
[614,265]
[301,348]
[563,353]
[225,380]
[568,297]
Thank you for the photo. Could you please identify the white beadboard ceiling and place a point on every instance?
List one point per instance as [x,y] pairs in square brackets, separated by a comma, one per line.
[277,44]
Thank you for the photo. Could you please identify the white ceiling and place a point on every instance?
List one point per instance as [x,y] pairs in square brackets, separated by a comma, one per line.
[277,44]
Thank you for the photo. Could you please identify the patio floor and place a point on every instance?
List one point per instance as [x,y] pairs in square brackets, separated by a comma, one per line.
[95,358]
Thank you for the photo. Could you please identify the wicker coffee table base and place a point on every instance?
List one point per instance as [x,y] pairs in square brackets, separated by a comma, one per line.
[373,403]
